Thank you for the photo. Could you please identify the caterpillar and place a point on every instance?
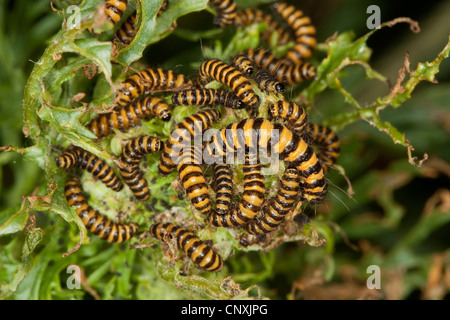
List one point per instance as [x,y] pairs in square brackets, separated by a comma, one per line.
[258,134]
[77,157]
[95,222]
[129,116]
[278,206]
[242,63]
[226,12]
[252,198]
[286,72]
[184,132]
[198,251]
[292,112]
[304,31]
[115,9]
[267,82]
[125,34]
[132,155]
[231,77]
[204,97]
[249,16]
[150,80]
[129,28]
[327,142]
[193,180]
[223,187]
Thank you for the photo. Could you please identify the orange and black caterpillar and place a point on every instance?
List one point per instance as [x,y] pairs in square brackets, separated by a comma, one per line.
[304,31]
[182,136]
[198,251]
[283,71]
[226,12]
[193,180]
[205,97]
[223,187]
[242,63]
[293,113]
[267,82]
[215,69]
[77,157]
[327,142]
[129,28]
[115,9]
[132,154]
[252,198]
[150,80]
[129,116]
[249,16]
[93,220]
[261,134]
[278,206]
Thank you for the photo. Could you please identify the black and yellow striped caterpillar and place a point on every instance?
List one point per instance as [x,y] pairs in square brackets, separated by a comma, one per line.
[132,154]
[327,143]
[294,114]
[242,63]
[206,97]
[77,157]
[249,16]
[223,187]
[129,116]
[115,9]
[260,134]
[267,82]
[286,72]
[198,251]
[150,80]
[215,69]
[226,12]
[182,135]
[125,34]
[193,180]
[304,31]
[278,206]
[252,197]
[95,222]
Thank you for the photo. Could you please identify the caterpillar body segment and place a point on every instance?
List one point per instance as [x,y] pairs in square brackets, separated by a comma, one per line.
[77,157]
[278,206]
[267,82]
[150,80]
[226,12]
[223,187]
[206,97]
[327,143]
[129,116]
[250,16]
[132,154]
[198,251]
[215,69]
[252,198]
[289,146]
[182,136]
[293,113]
[95,222]
[304,31]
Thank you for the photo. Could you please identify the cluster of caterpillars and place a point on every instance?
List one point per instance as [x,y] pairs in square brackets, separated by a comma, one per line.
[302,180]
